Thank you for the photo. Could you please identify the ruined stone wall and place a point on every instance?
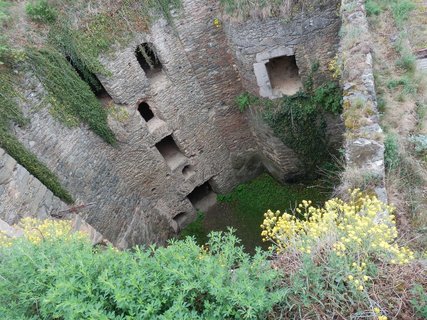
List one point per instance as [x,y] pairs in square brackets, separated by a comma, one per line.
[312,36]
[23,195]
[364,146]
[134,192]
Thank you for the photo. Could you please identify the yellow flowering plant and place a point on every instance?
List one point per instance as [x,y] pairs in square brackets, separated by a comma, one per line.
[364,225]
[36,230]
[348,237]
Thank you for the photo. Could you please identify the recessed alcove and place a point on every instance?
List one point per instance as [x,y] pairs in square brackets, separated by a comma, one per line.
[170,152]
[148,59]
[188,171]
[145,111]
[202,197]
[181,220]
[284,75]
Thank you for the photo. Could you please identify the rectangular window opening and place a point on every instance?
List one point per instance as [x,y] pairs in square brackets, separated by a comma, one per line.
[284,75]
[148,59]
[202,197]
[170,152]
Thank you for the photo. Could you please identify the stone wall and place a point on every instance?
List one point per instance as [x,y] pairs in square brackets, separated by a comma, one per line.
[364,147]
[311,35]
[22,195]
[133,191]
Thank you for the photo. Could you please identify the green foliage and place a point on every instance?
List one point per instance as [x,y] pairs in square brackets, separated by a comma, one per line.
[10,113]
[372,8]
[391,152]
[245,100]
[419,302]
[399,8]
[68,92]
[407,62]
[405,82]
[69,279]
[195,229]
[420,143]
[41,11]
[299,122]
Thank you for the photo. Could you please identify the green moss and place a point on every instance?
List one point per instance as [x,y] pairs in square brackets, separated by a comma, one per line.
[243,208]
[196,229]
[10,113]
[68,92]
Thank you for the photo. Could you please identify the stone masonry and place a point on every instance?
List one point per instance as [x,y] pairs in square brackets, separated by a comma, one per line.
[136,190]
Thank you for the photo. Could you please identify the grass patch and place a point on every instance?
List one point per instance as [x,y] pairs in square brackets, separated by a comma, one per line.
[41,11]
[195,229]
[243,208]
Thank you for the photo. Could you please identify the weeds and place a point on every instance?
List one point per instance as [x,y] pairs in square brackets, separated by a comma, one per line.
[391,152]
[41,11]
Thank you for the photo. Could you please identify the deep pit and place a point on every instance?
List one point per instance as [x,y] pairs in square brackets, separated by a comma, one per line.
[243,208]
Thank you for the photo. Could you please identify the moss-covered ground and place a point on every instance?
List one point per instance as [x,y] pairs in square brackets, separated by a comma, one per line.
[243,208]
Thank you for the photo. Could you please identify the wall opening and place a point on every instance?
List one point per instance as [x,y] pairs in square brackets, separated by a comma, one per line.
[148,59]
[188,172]
[181,220]
[145,111]
[91,79]
[284,75]
[202,197]
[170,152]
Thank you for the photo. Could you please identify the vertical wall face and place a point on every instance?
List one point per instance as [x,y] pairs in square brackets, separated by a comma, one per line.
[275,57]
[191,134]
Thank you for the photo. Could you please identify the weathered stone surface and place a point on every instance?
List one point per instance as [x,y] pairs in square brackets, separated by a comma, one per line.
[134,194]
[364,147]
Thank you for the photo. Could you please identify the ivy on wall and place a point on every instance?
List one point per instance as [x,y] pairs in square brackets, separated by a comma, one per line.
[68,92]
[299,120]
[10,113]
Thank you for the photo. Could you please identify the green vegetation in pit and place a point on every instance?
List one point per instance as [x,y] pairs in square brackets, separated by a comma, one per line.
[299,120]
[245,206]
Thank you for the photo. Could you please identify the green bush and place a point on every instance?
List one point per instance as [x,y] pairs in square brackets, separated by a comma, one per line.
[41,11]
[69,279]
[420,143]
[391,152]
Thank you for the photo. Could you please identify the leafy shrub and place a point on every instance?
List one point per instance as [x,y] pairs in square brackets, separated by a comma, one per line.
[63,276]
[245,100]
[407,62]
[407,84]
[419,302]
[401,10]
[41,11]
[331,255]
[391,152]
